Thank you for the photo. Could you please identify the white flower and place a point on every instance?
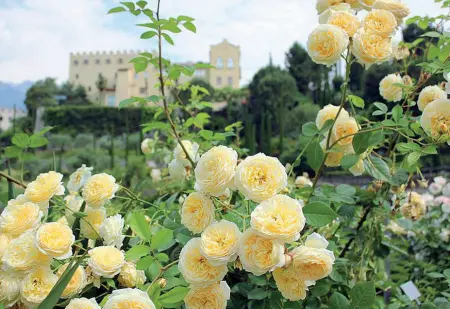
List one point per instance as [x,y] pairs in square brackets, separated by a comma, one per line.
[329,112]
[326,44]
[429,199]
[177,170]
[36,286]
[302,181]
[19,200]
[111,231]
[9,289]
[341,16]
[397,8]
[430,94]
[435,120]
[192,150]
[106,261]
[260,177]
[156,175]
[435,188]
[389,91]
[83,303]
[79,178]
[15,220]
[129,298]
[197,212]
[317,241]
[215,170]
[370,48]
[213,296]
[445,235]
[99,189]
[44,188]
[399,52]
[440,180]
[130,277]
[145,146]
[55,239]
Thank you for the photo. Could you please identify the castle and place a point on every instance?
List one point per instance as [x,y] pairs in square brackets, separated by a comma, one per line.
[122,82]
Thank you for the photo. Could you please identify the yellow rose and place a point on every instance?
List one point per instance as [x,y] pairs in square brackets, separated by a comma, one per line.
[290,283]
[329,112]
[380,22]
[37,285]
[341,16]
[15,220]
[400,52]
[177,170]
[213,296]
[367,4]
[192,150]
[9,289]
[76,283]
[358,168]
[326,44]
[397,8]
[343,131]
[259,254]
[279,217]
[4,242]
[129,298]
[22,254]
[323,5]
[370,48]
[90,225]
[414,206]
[83,303]
[56,240]
[335,156]
[389,91]
[313,261]
[99,189]
[79,178]
[106,261]
[259,177]
[435,120]
[196,268]
[197,212]
[19,200]
[73,204]
[430,94]
[44,188]
[220,242]
[303,181]
[215,170]
[130,277]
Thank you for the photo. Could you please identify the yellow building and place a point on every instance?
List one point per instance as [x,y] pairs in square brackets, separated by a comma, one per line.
[122,82]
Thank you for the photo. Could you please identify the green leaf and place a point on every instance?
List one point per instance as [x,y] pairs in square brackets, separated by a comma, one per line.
[136,252]
[162,239]
[377,168]
[148,35]
[408,147]
[172,27]
[126,102]
[321,288]
[348,161]
[432,34]
[145,262]
[156,125]
[167,38]
[381,106]
[344,189]
[13,151]
[318,214]
[38,141]
[397,113]
[447,273]
[363,295]
[338,301]
[361,142]
[259,293]
[190,26]
[314,155]
[129,5]
[53,297]
[309,129]
[356,101]
[174,296]
[116,10]
[21,140]
[141,4]
[413,157]
[435,275]
[140,226]
[43,131]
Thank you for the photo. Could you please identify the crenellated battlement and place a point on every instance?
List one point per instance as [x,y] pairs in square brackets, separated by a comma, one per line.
[106,53]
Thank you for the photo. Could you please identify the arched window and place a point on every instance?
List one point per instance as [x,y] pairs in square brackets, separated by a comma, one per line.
[219,63]
[120,61]
[85,61]
[75,62]
[230,63]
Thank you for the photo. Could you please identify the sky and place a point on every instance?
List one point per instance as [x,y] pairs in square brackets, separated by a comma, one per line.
[37,36]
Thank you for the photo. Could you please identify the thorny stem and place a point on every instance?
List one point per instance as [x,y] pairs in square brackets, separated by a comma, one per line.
[12,179]
[361,221]
[161,82]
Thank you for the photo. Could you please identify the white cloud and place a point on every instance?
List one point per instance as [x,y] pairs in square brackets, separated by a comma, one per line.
[37,36]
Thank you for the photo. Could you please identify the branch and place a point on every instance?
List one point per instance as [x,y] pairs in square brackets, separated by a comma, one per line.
[360,224]
[12,179]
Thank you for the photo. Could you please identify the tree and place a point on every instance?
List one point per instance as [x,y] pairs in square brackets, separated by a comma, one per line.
[73,95]
[234,98]
[309,76]
[101,84]
[41,93]
[272,92]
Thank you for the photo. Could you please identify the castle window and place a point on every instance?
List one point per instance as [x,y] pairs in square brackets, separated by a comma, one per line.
[85,61]
[230,63]
[146,74]
[97,61]
[219,81]
[77,76]
[108,61]
[219,63]
[143,90]
[230,80]
[75,62]
[120,61]
[89,88]
[111,100]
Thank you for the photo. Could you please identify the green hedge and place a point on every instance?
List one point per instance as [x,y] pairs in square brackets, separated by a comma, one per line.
[98,120]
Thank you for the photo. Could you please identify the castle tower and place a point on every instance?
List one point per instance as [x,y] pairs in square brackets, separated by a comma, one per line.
[226,59]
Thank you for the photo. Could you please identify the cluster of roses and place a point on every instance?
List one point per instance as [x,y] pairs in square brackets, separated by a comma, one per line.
[369,40]
[34,253]
[277,219]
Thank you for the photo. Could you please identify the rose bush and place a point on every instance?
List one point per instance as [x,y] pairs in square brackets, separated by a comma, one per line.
[233,229]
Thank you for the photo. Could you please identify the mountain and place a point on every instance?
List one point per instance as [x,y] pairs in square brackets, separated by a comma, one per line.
[13,94]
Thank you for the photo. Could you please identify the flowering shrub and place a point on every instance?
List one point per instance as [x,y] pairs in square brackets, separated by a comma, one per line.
[231,229]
